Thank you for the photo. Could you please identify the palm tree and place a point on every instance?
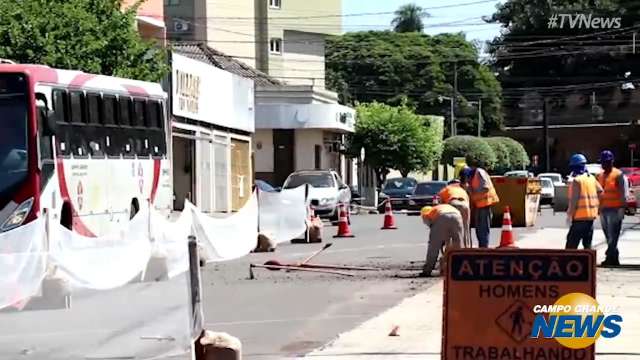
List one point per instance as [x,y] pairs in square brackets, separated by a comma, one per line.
[409,18]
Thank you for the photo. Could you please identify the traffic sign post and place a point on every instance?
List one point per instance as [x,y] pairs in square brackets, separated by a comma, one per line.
[489,298]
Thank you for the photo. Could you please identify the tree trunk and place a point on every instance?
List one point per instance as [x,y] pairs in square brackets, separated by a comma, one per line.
[404,173]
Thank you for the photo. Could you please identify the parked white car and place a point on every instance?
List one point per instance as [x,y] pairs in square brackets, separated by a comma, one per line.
[326,190]
[547,192]
[518,173]
[555,178]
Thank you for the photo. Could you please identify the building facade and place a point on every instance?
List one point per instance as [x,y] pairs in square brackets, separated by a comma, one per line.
[150,19]
[212,123]
[299,127]
[581,121]
[299,124]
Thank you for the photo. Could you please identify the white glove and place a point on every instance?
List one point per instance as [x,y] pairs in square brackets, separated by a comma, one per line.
[568,220]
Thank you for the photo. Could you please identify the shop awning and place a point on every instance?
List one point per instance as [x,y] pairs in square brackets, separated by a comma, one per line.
[305,116]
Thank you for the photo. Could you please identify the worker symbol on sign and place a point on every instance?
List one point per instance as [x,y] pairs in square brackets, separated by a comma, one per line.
[517,317]
[516,321]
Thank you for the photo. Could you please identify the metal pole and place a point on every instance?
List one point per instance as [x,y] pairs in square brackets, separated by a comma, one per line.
[453,98]
[197,318]
[479,117]
[545,119]
[634,43]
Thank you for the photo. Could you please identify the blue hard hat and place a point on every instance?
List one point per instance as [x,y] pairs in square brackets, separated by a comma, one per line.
[577,159]
[606,156]
[466,172]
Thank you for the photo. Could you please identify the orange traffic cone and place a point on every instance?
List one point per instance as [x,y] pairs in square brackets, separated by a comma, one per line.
[389,221]
[343,225]
[507,239]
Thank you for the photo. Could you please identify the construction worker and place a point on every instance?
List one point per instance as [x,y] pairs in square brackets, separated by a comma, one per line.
[583,203]
[483,198]
[446,231]
[612,205]
[455,195]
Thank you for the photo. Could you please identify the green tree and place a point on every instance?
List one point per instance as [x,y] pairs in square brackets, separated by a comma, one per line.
[517,154]
[96,36]
[530,53]
[390,67]
[408,18]
[475,150]
[396,138]
[503,159]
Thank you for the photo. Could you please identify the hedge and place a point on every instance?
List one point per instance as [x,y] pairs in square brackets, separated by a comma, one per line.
[476,151]
[517,154]
[502,152]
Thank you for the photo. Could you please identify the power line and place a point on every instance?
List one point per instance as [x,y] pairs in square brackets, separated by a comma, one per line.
[450,6]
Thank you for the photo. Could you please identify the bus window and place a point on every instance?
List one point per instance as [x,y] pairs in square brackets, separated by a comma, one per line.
[124,104]
[79,146]
[60,104]
[109,110]
[78,105]
[128,147]
[153,117]
[138,113]
[93,105]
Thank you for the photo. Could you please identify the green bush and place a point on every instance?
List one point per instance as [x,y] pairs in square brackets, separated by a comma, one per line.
[503,158]
[476,151]
[517,154]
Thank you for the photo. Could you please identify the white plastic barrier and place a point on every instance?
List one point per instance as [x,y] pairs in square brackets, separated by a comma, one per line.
[229,238]
[283,214]
[170,241]
[105,262]
[22,263]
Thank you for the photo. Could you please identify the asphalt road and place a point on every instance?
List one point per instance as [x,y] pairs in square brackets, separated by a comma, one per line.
[285,314]
[281,314]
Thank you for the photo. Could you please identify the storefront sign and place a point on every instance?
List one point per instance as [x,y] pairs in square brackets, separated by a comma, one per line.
[206,93]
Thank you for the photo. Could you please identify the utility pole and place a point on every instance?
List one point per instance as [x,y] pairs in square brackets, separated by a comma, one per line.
[453,98]
[545,127]
[480,117]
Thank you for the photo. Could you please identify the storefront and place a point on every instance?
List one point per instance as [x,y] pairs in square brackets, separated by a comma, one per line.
[213,120]
[292,137]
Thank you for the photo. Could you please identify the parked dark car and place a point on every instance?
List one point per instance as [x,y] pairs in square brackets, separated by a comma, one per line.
[398,190]
[425,194]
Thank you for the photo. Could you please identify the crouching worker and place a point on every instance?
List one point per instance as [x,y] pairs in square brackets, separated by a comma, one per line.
[447,231]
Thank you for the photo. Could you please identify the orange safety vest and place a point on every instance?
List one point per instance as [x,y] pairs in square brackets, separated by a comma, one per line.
[485,198]
[612,196]
[439,210]
[453,191]
[587,208]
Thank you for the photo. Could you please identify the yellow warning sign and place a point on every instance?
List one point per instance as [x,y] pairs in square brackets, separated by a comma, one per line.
[490,295]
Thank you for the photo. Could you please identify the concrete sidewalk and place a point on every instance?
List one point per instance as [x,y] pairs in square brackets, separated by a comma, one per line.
[420,317]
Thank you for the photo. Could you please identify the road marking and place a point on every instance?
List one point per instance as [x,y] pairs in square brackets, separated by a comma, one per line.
[251,322]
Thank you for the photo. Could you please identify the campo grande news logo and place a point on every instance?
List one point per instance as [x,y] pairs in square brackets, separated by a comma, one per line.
[576,321]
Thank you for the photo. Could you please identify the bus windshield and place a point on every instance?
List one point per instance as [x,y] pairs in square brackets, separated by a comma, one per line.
[13,132]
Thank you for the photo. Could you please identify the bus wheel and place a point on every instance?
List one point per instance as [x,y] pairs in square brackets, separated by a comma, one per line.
[66,216]
[133,210]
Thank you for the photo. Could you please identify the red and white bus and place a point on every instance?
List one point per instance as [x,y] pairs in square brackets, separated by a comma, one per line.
[91,148]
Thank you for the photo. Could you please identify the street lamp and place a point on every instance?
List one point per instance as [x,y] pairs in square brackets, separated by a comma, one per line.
[452,117]
[479,103]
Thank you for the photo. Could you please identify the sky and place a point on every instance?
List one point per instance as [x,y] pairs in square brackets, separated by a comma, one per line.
[451,19]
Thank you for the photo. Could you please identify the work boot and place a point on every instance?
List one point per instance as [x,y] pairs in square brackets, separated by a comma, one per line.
[610,262]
